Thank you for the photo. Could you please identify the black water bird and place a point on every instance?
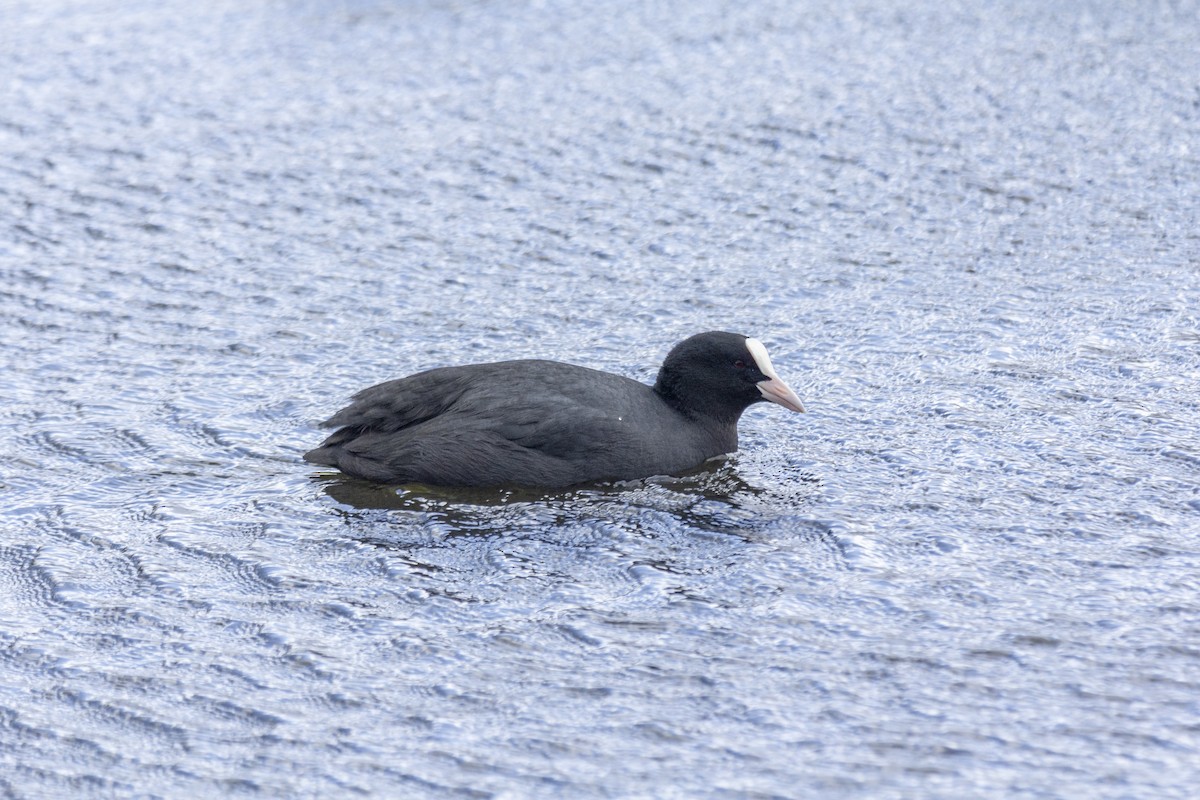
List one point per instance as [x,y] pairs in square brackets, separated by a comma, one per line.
[549,424]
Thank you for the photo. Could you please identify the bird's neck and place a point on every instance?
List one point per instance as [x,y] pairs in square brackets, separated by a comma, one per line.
[694,406]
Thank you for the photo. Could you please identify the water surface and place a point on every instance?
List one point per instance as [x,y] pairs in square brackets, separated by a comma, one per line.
[968,237]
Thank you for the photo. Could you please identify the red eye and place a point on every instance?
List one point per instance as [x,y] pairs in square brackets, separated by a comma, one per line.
[740,364]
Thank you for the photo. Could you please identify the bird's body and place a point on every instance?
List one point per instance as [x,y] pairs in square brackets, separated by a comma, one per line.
[545,423]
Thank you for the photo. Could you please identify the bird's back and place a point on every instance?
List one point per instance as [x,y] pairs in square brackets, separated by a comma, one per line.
[529,422]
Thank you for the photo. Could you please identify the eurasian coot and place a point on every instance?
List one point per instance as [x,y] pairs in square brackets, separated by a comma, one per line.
[545,423]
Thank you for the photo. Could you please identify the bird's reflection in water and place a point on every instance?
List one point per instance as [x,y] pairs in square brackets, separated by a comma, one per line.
[713,497]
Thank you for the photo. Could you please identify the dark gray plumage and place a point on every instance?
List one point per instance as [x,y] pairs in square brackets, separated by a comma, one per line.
[545,423]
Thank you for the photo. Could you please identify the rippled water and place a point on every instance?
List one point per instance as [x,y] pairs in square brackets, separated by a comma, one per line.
[969,237]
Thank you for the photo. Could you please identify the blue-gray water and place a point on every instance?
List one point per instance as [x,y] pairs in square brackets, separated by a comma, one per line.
[967,232]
